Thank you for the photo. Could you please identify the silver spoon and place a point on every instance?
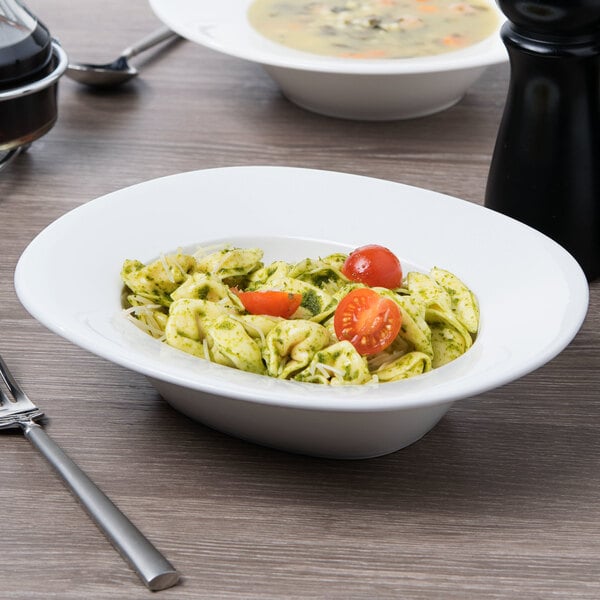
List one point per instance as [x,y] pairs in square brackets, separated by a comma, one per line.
[118,71]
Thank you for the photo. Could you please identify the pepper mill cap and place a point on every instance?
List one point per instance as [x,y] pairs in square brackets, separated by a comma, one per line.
[554,18]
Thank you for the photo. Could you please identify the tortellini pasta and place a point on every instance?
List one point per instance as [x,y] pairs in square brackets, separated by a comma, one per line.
[337,364]
[291,345]
[192,302]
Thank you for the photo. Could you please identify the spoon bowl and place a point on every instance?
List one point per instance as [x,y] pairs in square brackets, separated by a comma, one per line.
[111,74]
[119,71]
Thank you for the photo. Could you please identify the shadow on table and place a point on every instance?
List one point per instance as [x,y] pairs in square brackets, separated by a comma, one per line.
[472,462]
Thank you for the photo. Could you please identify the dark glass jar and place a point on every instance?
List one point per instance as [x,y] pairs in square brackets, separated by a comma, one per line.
[26,57]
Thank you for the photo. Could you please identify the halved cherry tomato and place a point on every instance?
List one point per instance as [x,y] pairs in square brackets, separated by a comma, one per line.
[374,266]
[270,302]
[367,320]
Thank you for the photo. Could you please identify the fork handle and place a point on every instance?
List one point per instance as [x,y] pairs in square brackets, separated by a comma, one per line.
[151,566]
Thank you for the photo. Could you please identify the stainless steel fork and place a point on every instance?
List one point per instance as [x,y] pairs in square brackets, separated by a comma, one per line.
[151,566]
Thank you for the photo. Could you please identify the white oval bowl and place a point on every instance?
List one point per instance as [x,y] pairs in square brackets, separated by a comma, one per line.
[533,295]
[382,89]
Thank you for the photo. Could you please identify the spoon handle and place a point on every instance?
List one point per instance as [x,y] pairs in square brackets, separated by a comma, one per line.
[160,35]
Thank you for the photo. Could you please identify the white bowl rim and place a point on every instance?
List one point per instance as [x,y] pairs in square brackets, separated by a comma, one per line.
[437,387]
[224,27]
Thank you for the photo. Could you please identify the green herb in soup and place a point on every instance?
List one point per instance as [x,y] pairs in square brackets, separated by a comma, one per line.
[337,320]
[374,29]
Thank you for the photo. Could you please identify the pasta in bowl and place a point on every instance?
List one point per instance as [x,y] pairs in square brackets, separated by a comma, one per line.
[315,321]
[68,278]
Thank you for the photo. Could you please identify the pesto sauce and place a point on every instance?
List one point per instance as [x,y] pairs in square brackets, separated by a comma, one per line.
[300,347]
[311,302]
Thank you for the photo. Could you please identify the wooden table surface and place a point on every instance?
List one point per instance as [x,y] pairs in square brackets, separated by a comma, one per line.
[500,500]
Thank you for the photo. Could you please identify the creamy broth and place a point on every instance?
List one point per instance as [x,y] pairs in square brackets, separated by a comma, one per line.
[374,29]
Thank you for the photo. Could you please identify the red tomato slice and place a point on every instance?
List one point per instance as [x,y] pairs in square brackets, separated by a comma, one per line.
[273,303]
[374,266]
[367,320]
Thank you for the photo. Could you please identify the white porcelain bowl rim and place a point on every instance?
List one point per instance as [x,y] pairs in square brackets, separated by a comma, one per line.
[224,27]
[543,296]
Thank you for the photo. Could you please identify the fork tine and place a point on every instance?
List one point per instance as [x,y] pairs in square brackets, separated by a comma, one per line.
[18,409]
[7,406]
[4,402]
[3,397]
[22,401]
[11,383]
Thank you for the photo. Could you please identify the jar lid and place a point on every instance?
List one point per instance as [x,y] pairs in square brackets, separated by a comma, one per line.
[25,46]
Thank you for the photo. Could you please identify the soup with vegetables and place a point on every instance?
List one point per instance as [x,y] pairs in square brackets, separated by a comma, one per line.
[374,29]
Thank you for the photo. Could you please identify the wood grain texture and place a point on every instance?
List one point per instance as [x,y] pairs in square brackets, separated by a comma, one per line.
[500,501]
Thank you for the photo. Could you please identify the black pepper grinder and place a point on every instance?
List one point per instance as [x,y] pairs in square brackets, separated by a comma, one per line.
[545,170]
